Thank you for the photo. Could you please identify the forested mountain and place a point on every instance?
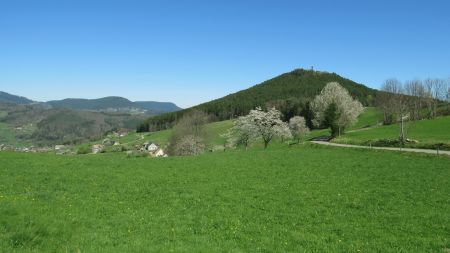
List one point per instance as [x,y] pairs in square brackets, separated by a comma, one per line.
[290,92]
[108,104]
[92,104]
[9,98]
[115,104]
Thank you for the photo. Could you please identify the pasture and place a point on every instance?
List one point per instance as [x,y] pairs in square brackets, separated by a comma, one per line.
[302,198]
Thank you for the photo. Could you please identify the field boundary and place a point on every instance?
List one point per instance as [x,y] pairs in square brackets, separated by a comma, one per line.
[413,150]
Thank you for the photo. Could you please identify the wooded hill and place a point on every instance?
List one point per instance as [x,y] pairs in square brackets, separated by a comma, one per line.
[115,104]
[290,92]
[9,98]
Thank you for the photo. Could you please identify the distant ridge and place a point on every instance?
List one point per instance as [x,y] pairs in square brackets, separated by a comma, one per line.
[161,106]
[295,89]
[92,104]
[9,98]
[112,103]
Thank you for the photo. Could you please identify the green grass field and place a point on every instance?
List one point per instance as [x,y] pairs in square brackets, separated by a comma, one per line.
[427,132]
[292,199]
[370,117]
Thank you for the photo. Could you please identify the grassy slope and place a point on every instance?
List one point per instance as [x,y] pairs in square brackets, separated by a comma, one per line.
[425,131]
[369,118]
[296,199]
[162,137]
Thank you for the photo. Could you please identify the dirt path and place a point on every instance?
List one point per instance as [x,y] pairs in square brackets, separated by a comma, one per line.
[416,150]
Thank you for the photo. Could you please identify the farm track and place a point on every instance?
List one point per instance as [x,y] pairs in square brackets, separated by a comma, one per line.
[413,150]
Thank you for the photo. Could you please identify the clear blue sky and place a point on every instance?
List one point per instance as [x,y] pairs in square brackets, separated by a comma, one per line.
[194,51]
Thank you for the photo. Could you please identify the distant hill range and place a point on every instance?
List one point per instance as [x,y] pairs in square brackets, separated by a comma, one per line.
[118,104]
[9,98]
[290,92]
[106,104]
[24,122]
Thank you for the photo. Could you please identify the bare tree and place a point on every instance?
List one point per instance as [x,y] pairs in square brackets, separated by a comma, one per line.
[189,145]
[448,94]
[416,95]
[189,133]
[436,90]
[398,101]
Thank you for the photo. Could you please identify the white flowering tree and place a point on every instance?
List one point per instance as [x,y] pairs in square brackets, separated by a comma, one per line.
[242,133]
[189,145]
[297,125]
[267,124]
[335,108]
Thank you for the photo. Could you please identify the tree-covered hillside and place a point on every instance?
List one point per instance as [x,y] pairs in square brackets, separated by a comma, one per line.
[9,98]
[289,92]
[115,104]
[92,104]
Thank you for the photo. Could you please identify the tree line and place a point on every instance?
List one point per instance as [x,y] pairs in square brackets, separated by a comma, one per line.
[291,93]
[413,100]
[334,107]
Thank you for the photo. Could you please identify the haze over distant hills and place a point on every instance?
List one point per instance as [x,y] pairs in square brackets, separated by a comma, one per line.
[110,104]
[9,98]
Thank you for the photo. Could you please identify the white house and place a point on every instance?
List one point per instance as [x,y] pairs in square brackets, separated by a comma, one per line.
[159,153]
[150,146]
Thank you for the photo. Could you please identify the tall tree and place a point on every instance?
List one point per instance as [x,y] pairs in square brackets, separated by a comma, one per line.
[345,109]
[416,96]
[267,124]
[398,101]
[189,135]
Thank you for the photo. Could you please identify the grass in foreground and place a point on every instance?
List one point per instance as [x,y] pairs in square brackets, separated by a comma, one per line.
[297,199]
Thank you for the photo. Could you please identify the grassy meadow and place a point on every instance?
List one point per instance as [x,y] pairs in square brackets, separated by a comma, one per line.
[302,198]
[426,132]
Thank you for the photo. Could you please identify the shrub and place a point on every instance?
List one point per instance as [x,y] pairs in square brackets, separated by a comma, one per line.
[82,150]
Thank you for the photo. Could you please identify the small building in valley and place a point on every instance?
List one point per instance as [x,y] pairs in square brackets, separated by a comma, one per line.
[158,153]
[150,146]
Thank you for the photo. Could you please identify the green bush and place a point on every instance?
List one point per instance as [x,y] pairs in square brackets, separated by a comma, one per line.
[84,150]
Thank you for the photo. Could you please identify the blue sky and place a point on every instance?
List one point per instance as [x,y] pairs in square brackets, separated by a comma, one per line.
[190,52]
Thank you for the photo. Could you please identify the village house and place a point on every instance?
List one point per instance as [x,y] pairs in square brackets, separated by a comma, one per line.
[158,153]
[150,146]
[60,147]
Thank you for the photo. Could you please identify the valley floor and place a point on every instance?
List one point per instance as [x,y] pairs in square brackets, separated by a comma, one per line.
[304,198]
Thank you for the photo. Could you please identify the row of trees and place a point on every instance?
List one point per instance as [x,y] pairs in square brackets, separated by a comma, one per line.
[419,99]
[334,107]
[259,124]
[412,100]
[289,93]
